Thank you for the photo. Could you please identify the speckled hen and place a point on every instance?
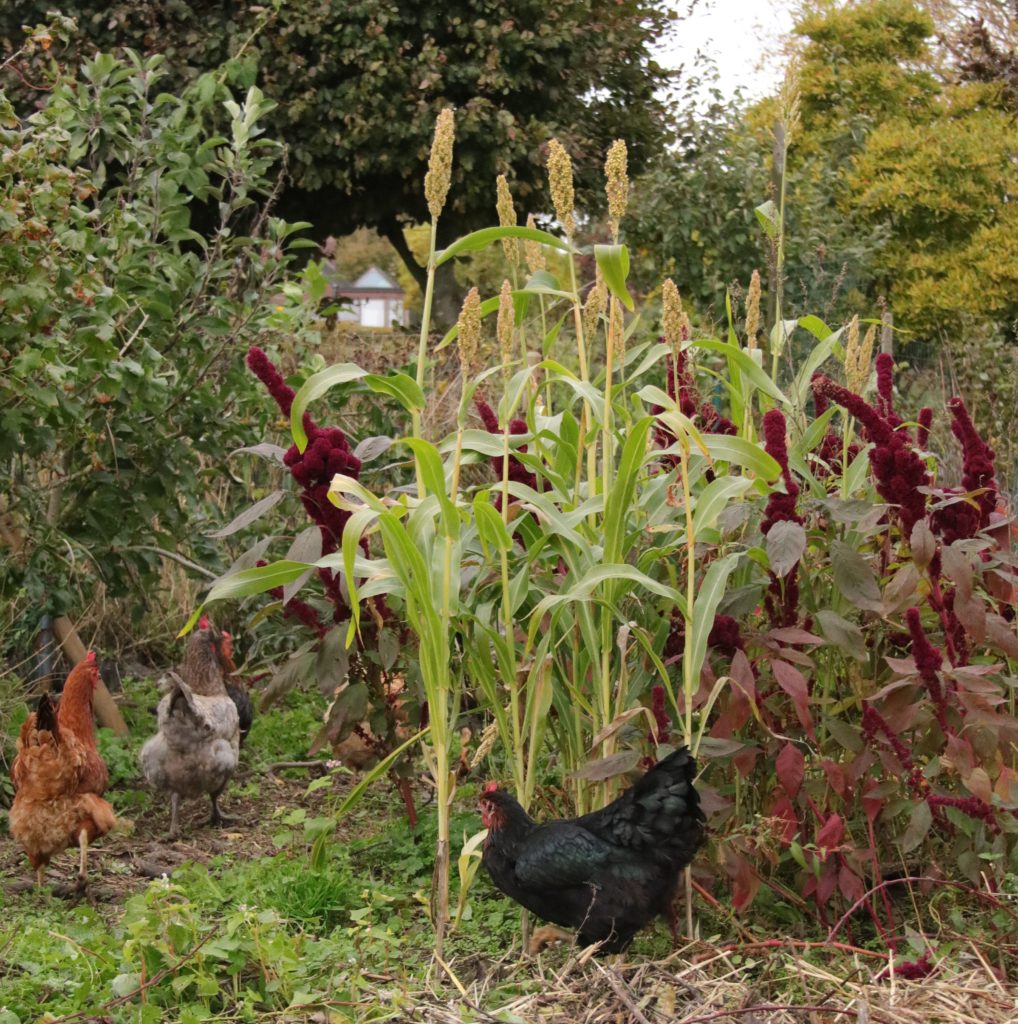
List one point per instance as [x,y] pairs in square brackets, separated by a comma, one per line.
[196,748]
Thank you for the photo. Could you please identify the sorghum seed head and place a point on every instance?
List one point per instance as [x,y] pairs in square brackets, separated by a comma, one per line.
[753,310]
[535,254]
[560,179]
[865,356]
[597,299]
[506,323]
[436,181]
[615,171]
[852,354]
[672,314]
[507,219]
[469,338]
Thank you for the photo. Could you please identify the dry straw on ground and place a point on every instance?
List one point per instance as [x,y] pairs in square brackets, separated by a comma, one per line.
[701,985]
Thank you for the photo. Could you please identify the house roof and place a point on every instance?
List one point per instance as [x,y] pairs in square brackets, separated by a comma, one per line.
[374,281]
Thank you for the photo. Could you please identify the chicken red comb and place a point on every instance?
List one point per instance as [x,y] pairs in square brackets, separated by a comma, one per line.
[490,787]
[90,658]
[227,635]
[203,622]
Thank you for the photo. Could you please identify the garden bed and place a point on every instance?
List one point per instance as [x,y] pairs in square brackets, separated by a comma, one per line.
[350,939]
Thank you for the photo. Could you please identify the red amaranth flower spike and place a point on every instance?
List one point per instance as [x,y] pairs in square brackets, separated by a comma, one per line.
[885,389]
[978,470]
[725,636]
[780,507]
[261,366]
[970,805]
[681,387]
[922,434]
[872,723]
[782,599]
[929,662]
[518,472]
[659,710]
[327,453]
[898,470]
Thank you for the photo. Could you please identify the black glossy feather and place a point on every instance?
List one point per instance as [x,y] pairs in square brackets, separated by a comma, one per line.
[245,709]
[46,715]
[608,873]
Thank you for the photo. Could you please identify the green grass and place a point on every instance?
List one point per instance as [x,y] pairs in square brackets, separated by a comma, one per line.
[284,935]
[294,927]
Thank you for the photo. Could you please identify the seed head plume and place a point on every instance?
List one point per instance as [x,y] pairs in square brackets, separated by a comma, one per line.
[506,324]
[560,180]
[469,339]
[436,181]
[507,219]
[753,311]
[597,300]
[673,318]
[615,172]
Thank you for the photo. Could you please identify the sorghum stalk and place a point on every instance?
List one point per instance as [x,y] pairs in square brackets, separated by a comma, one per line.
[783,134]
[560,176]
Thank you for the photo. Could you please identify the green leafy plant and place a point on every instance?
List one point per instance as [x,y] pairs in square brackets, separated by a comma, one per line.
[122,314]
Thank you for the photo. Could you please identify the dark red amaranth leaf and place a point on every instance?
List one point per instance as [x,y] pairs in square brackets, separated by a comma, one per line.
[831,835]
[790,767]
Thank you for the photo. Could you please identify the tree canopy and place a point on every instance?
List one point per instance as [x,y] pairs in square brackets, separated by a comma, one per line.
[358,86]
[899,182]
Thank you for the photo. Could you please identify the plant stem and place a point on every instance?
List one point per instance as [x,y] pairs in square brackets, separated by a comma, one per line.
[519,771]
[587,418]
[688,684]
[422,347]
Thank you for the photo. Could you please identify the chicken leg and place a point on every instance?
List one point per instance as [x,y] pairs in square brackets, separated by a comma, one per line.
[40,875]
[174,815]
[218,819]
[83,861]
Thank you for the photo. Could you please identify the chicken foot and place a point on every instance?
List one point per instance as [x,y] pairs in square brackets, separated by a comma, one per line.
[218,819]
[547,935]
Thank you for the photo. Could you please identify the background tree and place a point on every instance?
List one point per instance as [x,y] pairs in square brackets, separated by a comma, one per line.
[359,84]
[899,181]
[122,384]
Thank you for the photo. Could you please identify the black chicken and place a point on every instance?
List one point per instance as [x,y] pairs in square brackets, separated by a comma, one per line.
[608,873]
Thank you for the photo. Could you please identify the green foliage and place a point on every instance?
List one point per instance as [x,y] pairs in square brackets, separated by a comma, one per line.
[122,324]
[691,219]
[359,85]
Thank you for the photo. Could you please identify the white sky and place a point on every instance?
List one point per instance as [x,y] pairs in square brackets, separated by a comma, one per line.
[739,35]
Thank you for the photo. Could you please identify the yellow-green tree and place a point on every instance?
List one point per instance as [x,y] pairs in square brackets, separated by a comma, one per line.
[924,161]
